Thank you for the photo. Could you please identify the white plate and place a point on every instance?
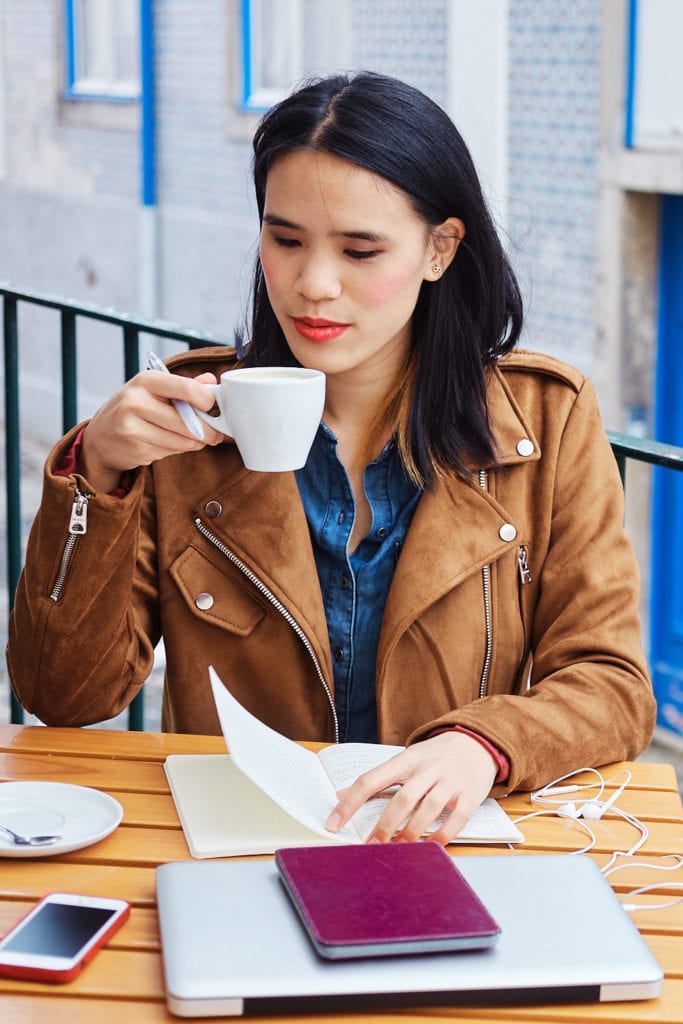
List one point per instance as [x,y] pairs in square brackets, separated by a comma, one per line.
[78,814]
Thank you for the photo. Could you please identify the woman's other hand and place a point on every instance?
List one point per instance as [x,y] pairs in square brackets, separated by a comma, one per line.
[450,771]
[139,425]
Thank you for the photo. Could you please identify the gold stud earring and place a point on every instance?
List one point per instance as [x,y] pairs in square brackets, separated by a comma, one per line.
[436,269]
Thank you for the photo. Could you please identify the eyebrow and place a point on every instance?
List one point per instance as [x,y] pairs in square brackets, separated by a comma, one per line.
[365,236]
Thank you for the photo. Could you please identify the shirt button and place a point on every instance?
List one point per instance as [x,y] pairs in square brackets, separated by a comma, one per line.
[525,447]
[382,532]
[204,602]
[507,532]
[213,509]
[343,582]
[341,517]
[338,654]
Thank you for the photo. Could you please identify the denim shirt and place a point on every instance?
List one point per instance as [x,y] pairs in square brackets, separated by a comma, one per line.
[355,587]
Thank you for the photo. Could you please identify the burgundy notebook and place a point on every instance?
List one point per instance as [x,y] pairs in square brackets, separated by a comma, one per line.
[384,899]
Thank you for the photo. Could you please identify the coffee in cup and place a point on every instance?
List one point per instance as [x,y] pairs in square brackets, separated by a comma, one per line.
[271,412]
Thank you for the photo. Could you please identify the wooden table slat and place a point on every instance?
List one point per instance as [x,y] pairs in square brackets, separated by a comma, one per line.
[32,879]
[97,743]
[100,772]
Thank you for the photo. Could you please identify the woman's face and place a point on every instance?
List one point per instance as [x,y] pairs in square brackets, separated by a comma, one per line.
[344,256]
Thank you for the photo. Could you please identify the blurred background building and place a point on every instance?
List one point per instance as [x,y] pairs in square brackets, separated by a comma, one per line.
[125,130]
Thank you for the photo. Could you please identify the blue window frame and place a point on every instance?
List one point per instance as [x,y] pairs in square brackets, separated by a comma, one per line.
[284,42]
[102,50]
[631,72]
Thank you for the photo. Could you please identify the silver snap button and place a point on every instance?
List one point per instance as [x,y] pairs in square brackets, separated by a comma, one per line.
[507,532]
[525,447]
[204,602]
[213,509]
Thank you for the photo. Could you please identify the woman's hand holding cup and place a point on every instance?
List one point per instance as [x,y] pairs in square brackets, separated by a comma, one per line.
[139,425]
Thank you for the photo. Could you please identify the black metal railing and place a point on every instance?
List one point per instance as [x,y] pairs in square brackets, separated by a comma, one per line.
[639,449]
[625,447]
[71,315]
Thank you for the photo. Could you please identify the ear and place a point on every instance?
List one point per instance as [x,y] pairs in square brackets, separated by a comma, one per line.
[443,245]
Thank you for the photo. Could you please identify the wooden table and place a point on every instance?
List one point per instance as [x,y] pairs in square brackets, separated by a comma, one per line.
[125,980]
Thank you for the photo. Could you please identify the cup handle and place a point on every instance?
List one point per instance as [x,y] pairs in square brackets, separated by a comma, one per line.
[218,422]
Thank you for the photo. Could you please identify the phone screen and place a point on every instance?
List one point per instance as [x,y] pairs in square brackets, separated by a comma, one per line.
[58,929]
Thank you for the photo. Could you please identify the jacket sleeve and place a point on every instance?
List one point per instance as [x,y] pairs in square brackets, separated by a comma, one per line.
[84,623]
[589,700]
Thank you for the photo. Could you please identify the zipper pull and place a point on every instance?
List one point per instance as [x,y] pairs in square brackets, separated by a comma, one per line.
[524,571]
[79,514]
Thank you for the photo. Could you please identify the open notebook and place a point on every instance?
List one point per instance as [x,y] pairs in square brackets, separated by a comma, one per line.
[271,792]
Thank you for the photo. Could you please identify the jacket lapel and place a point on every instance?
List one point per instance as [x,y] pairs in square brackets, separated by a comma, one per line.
[267,530]
[456,529]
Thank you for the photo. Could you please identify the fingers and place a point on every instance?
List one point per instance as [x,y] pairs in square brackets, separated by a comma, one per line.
[172,386]
[363,789]
[445,777]
[139,425]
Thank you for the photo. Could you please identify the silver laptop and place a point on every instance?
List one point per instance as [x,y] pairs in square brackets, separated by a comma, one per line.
[233,944]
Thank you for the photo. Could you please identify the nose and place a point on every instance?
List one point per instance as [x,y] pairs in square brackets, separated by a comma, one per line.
[318,280]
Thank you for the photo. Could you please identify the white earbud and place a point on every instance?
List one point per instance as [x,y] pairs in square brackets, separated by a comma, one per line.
[594,809]
[568,810]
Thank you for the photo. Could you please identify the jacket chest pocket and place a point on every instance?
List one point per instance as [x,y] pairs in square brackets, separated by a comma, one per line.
[214,595]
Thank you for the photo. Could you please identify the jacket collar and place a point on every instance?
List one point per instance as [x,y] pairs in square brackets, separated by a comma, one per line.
[514,437]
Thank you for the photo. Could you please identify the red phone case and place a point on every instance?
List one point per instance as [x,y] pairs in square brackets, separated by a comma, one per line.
[384,899]
[26,973]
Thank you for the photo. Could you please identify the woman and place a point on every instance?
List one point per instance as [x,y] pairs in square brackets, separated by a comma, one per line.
[450,565]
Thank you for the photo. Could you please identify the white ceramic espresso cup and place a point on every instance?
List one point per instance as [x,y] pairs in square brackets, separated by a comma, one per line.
[271,412]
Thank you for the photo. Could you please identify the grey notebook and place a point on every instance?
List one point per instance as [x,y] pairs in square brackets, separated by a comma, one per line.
[233,944]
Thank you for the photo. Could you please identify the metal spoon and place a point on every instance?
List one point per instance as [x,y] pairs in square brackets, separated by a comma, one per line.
[29,840]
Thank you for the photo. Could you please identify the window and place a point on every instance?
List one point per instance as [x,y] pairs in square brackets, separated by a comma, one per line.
[287,40]
[654,117]
[102,47]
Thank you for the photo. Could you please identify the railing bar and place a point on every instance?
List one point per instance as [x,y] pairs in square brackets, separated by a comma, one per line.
[131,365]
[12,464]
[136,710]
[621,463]
[653,452]
[196,339]
[69,371]
[131,351]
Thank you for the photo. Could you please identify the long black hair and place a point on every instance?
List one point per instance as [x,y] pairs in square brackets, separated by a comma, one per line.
[464,321]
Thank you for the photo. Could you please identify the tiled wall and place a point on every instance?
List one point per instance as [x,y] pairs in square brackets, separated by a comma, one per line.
[554,120]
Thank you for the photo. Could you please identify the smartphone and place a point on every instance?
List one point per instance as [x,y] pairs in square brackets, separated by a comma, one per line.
[55,940]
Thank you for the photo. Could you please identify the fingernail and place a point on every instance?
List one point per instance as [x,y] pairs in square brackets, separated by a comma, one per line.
[333,822]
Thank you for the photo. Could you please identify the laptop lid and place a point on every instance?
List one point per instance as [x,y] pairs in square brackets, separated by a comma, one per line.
[233,944]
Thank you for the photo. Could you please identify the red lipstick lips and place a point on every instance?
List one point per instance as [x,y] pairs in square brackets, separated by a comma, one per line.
[317,329]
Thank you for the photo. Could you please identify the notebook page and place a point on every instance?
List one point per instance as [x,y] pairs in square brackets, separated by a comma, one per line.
[289,774]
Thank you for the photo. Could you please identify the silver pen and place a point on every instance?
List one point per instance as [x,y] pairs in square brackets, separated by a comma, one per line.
[185,410]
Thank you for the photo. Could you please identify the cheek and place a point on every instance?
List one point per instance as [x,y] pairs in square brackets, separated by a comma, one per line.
[402,283]
[272,268]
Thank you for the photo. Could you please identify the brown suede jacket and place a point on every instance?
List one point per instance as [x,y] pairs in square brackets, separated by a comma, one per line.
[513,609]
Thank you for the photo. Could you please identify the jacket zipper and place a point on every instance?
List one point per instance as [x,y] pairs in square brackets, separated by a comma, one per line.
[78,525]
[287,616]
[523,563]
[525,577]
[486,581]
